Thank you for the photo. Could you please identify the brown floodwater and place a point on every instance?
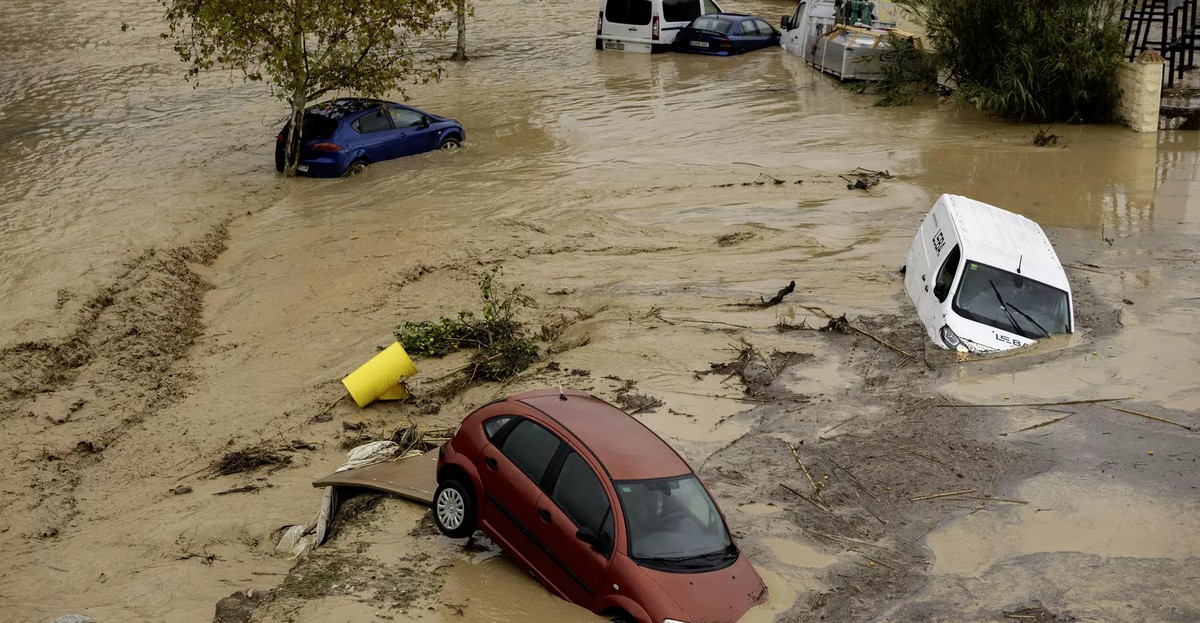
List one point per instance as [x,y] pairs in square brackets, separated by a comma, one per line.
[610,176]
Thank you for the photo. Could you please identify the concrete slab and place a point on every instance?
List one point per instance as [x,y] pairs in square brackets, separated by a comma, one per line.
[413,478]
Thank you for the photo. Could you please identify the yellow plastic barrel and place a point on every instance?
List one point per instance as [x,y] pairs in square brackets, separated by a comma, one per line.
[380,377]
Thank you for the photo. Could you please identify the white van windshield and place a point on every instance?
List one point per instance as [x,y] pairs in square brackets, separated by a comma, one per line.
[1011,302]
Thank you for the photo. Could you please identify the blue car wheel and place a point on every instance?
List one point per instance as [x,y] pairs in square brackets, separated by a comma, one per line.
[356,167]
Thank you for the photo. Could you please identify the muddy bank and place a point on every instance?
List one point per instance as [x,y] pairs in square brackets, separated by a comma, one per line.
[78,396]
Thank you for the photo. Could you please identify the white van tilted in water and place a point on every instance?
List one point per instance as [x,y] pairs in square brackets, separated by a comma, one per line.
[984,279]
[646,25]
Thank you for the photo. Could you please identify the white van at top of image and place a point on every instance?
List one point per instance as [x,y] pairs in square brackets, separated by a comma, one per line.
[984,279]
[646,25]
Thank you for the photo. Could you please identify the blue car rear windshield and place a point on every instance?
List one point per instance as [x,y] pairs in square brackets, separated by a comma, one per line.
[712,23]
[317,127]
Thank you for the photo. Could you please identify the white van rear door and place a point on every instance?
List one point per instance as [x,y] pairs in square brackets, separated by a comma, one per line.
[936,243]
[916,262]
[627,19]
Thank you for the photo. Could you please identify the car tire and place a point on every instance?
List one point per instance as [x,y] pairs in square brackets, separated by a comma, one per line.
[450,143]
[454,509]
[356,167]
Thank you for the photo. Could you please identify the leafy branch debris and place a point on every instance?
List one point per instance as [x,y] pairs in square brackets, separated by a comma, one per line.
[503,346]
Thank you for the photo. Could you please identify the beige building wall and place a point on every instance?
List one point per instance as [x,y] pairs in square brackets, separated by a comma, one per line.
[1141,91]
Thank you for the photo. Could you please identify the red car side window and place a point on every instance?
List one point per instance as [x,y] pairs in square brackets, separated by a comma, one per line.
[580,495]
[530,447]
[493,426]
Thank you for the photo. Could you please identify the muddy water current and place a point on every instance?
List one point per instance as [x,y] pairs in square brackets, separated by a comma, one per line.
[635,194]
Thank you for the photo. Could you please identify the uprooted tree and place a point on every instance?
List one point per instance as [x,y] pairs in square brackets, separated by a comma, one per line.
[1029,60]
[304,49]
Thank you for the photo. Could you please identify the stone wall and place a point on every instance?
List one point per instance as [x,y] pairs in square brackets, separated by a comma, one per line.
[1141,91]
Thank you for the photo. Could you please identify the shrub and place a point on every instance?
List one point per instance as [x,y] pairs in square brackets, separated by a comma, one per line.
[1029,60]
[502,346]
[906,72]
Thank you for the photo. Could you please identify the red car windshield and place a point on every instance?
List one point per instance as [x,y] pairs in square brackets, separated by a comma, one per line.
[673,524]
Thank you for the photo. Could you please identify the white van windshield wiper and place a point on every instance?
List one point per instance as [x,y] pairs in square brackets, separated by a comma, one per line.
[1045,333]
[1011,320]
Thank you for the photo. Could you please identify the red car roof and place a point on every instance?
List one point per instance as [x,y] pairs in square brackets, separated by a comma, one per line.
[627,449]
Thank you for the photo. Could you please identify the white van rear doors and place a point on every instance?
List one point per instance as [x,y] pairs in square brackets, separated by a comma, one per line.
[627,20]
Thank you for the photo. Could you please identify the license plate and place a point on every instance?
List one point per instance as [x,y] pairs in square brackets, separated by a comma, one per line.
[614,45]
[303,168]
[698,44]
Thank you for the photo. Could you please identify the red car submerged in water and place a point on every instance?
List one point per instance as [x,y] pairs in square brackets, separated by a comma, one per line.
[597,507]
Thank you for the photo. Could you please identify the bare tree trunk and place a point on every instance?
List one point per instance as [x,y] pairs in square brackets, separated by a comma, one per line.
[291,152]
[460,14]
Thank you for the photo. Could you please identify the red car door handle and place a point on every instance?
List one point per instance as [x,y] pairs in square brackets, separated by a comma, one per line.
[491,463]
[544,514]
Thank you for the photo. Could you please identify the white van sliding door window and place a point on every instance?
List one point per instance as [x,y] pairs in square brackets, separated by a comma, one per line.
[945,276]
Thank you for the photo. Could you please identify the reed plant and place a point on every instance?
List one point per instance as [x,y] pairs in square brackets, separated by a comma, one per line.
[1038,61]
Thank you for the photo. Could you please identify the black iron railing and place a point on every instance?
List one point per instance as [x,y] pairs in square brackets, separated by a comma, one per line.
[1166,26]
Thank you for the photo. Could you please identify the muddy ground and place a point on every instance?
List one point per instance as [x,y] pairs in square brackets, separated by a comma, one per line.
[179,302]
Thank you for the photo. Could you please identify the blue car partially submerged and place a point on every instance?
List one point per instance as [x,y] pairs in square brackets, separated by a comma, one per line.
[343,136]
[725,34]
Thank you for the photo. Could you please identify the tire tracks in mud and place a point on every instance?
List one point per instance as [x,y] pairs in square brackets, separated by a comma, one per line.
[67,400]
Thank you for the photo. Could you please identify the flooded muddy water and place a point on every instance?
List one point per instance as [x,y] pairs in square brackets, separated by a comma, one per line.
[1110,521]
[167,297]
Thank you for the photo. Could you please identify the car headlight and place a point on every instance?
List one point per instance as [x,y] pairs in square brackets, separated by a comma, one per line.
[951,339]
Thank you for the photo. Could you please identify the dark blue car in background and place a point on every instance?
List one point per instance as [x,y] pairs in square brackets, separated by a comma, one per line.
[342,136]
[724,34]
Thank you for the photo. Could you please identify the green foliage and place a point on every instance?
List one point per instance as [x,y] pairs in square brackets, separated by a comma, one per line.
[905,72]
[305,49]
[502,345]
[1030,60]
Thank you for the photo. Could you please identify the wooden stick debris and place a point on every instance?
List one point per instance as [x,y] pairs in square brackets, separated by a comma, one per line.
[845,421]
[974,497]
[804,468]
[1150,417]
[1046,423]
[828,316]
[924,456]
[880,340]
[736,398]
[852,540]
[805,497]
[1035,404]
[942,495]
[1084,268]
[673,321]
